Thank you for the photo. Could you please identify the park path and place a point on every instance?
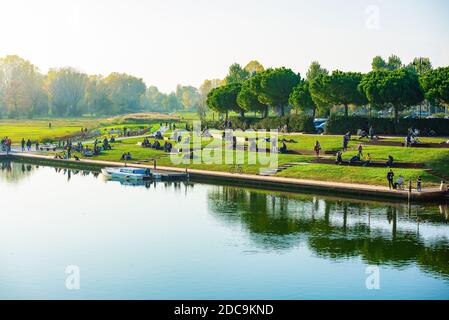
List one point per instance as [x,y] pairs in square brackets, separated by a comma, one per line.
[291,184]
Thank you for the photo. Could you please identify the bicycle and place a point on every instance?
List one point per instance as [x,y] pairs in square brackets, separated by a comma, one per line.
[237,168]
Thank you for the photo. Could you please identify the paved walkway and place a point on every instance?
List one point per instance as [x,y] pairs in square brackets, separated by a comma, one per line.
[280,182]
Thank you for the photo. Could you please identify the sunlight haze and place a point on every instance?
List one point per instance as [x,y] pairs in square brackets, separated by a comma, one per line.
[171,42]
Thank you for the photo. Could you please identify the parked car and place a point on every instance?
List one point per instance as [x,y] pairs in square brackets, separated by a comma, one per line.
[320,125]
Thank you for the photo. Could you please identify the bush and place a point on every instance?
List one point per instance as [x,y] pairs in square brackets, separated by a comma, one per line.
[301,123]
[295,123]
[340,125]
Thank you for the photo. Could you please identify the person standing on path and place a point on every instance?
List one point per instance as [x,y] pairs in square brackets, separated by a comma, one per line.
[345,142]
[23,144]
[390,178]
[360,150]
[317,148]
[419,184]
[371,133]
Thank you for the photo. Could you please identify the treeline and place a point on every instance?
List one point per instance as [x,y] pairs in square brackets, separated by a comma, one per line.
[390,85]
[67,92]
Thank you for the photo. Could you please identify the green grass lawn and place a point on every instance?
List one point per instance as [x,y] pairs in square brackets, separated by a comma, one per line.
[305,170]
[361,175]
[434,158]
[40,130]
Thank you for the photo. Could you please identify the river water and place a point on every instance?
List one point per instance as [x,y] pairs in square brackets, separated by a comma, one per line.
[68,234]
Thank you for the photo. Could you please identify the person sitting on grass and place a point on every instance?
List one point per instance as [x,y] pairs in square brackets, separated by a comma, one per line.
[399,184]
[390,161]
[156,145]
[367,161]
[126,156]
[167,146]
[283,149]
[339,158]
[363,134]
[355,158]
[76,158]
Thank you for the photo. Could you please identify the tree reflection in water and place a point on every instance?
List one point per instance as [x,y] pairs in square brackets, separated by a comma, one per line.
[379,233]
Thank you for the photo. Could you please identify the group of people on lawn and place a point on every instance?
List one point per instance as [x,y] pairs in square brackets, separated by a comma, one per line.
[396,185]
[5,145]
[167,147]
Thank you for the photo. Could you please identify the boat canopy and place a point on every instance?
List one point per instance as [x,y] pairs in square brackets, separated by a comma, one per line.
[133,171]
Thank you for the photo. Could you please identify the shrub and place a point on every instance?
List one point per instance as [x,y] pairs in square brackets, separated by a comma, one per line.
[340,125]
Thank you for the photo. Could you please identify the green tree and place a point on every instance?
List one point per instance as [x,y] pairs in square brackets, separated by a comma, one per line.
[249,101]
[397,88]
[189,96]
[66,89]
[236,74]
[153,99]
[171,103]
[393,63]
[421,65]
[21,87]
[97,96]
[301,99]
[436,85]
[275,86]
[313,74]
[340,88]
[224,99]
[254,67]
[315,70]
[125,92]
[379,64]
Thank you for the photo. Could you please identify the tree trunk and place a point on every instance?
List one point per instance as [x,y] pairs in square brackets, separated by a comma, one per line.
[280,110]
[265,112]
[313,112]
[346,110]
[396,114]
[242,113]
[226,116]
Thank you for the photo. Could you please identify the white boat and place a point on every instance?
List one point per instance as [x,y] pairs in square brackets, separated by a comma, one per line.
[127,173]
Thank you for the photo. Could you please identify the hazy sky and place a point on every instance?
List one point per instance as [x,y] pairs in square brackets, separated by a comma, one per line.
[174,41]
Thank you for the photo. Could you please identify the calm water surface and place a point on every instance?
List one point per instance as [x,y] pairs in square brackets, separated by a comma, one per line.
[194,240]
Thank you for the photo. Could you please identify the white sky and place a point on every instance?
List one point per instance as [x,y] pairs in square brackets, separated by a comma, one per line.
[173,41]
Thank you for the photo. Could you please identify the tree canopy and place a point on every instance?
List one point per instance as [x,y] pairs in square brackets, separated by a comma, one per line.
[398,88]
[275,86]
[224,99]
[436,85]
[66,89]
[301,98]
[254,67]
[249,101]
[236,74]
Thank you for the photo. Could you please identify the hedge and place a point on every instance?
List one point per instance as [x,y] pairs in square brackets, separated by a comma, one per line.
[337,124]
[295,123]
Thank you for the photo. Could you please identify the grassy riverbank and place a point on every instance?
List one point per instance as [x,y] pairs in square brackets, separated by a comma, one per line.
[301,166]
[292,165]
